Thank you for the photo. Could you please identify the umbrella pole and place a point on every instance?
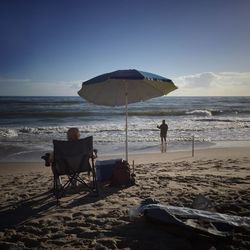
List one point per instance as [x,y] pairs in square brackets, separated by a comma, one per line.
[126,125]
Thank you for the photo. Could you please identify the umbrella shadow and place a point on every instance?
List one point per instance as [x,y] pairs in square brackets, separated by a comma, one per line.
[20,212]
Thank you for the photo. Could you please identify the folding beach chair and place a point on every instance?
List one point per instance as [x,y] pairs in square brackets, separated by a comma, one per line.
[76,160]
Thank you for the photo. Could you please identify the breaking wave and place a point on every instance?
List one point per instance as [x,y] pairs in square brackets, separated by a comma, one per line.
[199,112]
[8,133]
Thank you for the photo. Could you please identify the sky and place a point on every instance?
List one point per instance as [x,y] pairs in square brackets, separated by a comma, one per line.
[49,47]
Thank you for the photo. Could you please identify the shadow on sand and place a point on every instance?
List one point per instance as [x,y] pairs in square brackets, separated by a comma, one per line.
[22,211]
[105,190]
[25,210]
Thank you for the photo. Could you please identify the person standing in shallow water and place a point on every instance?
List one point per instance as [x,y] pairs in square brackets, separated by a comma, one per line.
[163,134]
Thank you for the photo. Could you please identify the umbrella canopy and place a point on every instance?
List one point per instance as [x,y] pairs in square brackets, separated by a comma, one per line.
[110,89]
[122,87]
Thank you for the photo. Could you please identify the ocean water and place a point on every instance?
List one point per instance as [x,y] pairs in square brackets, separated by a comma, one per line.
[29,124]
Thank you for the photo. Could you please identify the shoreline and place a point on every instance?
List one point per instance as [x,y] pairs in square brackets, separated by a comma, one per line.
[152,157]
[215,152]
[16,154]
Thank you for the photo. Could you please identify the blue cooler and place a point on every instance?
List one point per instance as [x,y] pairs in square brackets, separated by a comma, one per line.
[104,169]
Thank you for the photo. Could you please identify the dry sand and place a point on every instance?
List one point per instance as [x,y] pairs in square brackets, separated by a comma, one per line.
[30,218]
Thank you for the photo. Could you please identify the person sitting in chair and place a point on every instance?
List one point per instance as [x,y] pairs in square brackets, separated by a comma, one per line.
[73,134]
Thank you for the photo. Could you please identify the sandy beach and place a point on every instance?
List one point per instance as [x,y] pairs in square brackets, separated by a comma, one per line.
[30,218]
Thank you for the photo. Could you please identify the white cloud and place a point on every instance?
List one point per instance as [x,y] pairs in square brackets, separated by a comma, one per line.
[235,78]
[202,80]
[209,83]
[76,85]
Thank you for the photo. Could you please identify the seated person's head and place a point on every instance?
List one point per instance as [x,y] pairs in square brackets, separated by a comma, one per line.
[73,134]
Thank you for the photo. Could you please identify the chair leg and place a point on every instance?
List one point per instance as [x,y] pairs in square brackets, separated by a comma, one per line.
[95,184]
[54,185]
[59,189]
[56,189]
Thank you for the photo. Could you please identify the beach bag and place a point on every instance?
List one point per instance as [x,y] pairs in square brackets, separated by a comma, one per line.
[121,175]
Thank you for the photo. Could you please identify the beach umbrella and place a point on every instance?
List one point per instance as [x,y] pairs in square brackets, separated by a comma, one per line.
[121,87]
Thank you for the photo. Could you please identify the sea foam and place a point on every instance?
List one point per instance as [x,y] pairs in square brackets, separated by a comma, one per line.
[199,112]
[4,132]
